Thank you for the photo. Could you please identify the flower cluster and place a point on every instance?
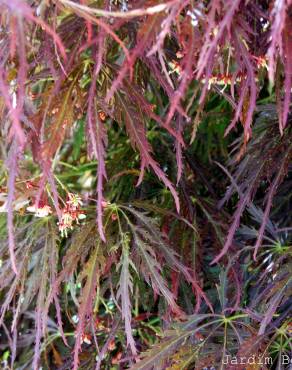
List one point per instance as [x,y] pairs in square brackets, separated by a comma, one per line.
[217,79]
[261,62]
[71,213]
[223,79]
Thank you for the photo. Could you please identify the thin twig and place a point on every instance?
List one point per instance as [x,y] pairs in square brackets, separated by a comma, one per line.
[118,14]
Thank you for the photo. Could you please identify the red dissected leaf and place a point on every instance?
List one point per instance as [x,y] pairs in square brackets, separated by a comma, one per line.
[178,152]
[123,58]
[287,47]
[134,123]
[62,116]
[12,164]
[125,288]
[97,139]
[87,297]
[278,15]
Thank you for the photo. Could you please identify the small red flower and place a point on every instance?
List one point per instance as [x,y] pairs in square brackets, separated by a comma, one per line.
[86,338]
[104,204]
[112,345]
[30,185]
[102,116]
[114,217]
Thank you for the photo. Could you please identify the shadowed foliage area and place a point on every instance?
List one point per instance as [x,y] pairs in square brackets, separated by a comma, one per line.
[145,189]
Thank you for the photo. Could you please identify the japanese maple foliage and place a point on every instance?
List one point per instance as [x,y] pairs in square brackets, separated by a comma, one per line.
[111,113]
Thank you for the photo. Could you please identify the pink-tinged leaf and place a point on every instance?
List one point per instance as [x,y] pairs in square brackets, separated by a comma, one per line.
[238,290]
[87,297]
[235,223]
[239,107]
[137,134]
[88,24]
[16,129]
[39,315]
[211,38]
[151,270]
[138,50]
[178,153]
[55,134]
[54,266]
[278,15]
[166,26]
[97,139]
[271,194]
[138,98]
[47,270]
[184,81]
[154,67]
[151,235]
[59,318]
[172,259]
[248,90]
[287,40]
[22,9]
[52,33]
[12,164]
[105,27]
[13,36]
[273,305]
[252,87]
[22,70]
[164,69]
[142,172]
[101,143]
[125,289]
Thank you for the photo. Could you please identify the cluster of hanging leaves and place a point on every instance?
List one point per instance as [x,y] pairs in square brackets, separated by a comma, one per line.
[114,118]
